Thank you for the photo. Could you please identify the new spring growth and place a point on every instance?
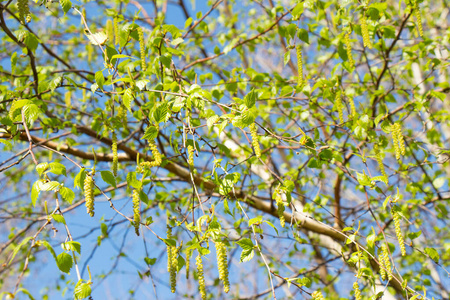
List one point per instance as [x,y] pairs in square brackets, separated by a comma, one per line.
[398,231]
[136,211]
[398,141]
[385,263]
[379,158]
[110,31]
[348,47]
[24,11]
[190,151]
[222,265]
[116,31]
[317,295]
[280,206]
[89,194]
[115,162]
[339,106]
[172,261]
[351,102]
[201,277]
[416,8]
[255,140]
[299,66]
[188,262]
[142,48]
[157,158]
[365,31]
[357,291]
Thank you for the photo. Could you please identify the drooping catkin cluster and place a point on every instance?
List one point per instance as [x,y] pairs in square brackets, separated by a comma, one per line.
[222,265]
[24,11]
[201,277]
[385,263]
[122,114]
[317,295]
[399,142]
[351,102]
[280,206]
[136,211]
[379,158]
[188,262]
[299,66]
[116,30]
[398,232]
[110,31]
[190,152]
[416,8]
[255,140]
[115,162]
[365,31]
[173,270]
[142,48]
[172,262]
[157,158]
[357,291]
[339,106]
[348,47]
[89,194]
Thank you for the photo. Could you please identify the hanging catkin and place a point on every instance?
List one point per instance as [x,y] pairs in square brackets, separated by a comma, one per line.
[136,211]
[348,47]
[142,48]
[89,194]
[255,140]
[115,162]
[222,265]
[299,66]
[365,31]
[201,277]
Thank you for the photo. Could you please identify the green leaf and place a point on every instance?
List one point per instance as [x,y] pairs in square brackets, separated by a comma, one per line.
[108,177]
[363,179]
[250,99]
[64,262]
[78,182]
[59,218]
[67,194]
[150,261]
[26,292]
[99,79]
[132,180]
[16,250]
[128,98]
[50,186]
[303,35]
[287,57]
[161,113]
[433,254]
[72,246]
[35,190]
[150,133]
[414,235]
[254,221]
[66,5]
[40,168]
[49,248]
[57,168]
[82,290]
[54,83]
[247,249]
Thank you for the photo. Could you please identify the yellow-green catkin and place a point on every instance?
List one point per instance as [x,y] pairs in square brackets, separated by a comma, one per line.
[89,194]
[190,150]
[317,295]
[169,249]
[201,277]
[222,265]
[379,158]
[255,140]
[357,291]
[122,114]
[116,30]
[416,9]
[365,31]
[136,211]
[348,47]
[115,162]
[142,48]
[188,262]
[351,102]
[110,31]
[90,52]
[299,66]
[339,106]
[280,207]
[24,11]
[386,263]
[68,99]
[395,141]
[157,158]
[401,141]
[173,269]
[398,232]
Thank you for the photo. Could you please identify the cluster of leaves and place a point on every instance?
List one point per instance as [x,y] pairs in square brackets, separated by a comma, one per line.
[308,134]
